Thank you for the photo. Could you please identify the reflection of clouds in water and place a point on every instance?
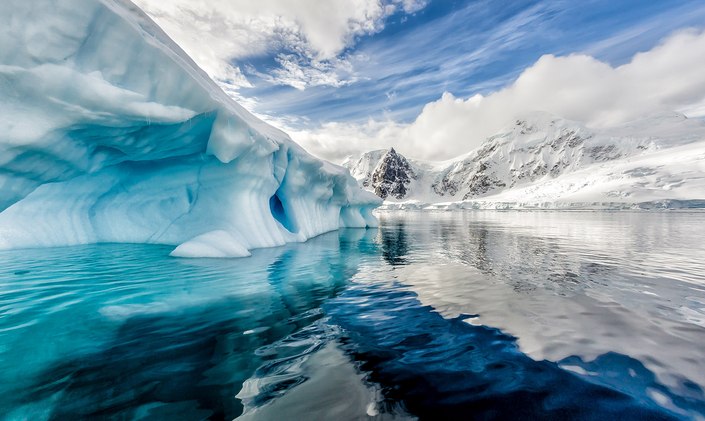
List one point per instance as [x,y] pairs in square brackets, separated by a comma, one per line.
[570,314]
[436,365]
[566,252]
[568,283]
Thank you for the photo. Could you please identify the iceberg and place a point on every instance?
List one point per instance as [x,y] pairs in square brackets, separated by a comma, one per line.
[109,132]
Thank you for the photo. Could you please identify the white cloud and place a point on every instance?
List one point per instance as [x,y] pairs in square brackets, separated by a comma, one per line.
[411,6]
[335,140]
[215,33]
[577,87]
[301,72]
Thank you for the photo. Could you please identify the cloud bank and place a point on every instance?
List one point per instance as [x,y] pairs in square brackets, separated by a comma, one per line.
[577,87]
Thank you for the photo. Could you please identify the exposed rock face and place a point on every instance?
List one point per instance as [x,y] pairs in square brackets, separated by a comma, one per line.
[521,155]
[542,156]
[392,176]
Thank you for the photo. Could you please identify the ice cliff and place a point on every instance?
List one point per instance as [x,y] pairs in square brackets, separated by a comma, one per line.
[110,133]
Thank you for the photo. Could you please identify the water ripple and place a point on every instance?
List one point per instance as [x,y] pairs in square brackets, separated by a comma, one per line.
[493,314]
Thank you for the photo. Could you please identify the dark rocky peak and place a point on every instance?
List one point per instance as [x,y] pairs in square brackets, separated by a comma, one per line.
[525,127]
[392,175]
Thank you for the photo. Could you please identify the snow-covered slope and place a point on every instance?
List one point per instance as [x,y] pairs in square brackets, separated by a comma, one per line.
[544,161]
[110,133]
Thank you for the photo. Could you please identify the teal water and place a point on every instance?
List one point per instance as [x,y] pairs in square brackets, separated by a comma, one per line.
[473,315]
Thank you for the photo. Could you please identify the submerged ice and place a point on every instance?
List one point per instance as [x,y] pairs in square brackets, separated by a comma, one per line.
[110,133]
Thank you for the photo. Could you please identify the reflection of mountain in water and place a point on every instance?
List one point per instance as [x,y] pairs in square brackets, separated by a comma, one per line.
[520,257]
[257,348]
[395,244]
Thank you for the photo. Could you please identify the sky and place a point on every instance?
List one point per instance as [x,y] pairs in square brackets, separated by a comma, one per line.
[434,78]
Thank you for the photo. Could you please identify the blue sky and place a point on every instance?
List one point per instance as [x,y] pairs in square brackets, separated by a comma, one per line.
[434,78]
[463,47]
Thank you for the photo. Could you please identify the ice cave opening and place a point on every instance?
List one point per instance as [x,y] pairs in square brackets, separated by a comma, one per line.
[279,213]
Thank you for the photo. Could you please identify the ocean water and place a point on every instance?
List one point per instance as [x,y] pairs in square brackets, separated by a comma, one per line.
[448,315]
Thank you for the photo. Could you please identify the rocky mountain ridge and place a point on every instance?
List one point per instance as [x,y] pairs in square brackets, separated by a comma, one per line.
[539,156]
[387,175]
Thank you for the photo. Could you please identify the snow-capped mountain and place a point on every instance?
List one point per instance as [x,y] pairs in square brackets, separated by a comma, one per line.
[384,172]
[543,160]
[109,132]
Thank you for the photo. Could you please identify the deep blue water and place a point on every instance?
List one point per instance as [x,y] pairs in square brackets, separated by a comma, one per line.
[458,315]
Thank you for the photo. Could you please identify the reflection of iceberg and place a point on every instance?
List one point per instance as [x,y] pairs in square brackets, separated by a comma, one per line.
[188,358]
[305,375]
[110,133]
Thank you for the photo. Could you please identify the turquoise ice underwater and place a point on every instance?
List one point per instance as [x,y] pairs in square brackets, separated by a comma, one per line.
[574,314]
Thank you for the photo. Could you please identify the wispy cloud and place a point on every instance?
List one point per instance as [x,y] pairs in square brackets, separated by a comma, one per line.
[476,47]
[307,38]
[396,75]
[620,45]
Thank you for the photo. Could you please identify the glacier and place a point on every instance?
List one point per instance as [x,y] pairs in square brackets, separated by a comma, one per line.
[109,132]
[542,161]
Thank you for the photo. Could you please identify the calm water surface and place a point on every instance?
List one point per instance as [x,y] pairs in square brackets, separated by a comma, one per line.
[455,315]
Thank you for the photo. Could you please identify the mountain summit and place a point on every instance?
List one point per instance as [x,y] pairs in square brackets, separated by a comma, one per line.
[543,160]
[391,176]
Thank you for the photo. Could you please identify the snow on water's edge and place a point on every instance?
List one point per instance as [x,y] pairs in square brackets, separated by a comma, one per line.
[654,205]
